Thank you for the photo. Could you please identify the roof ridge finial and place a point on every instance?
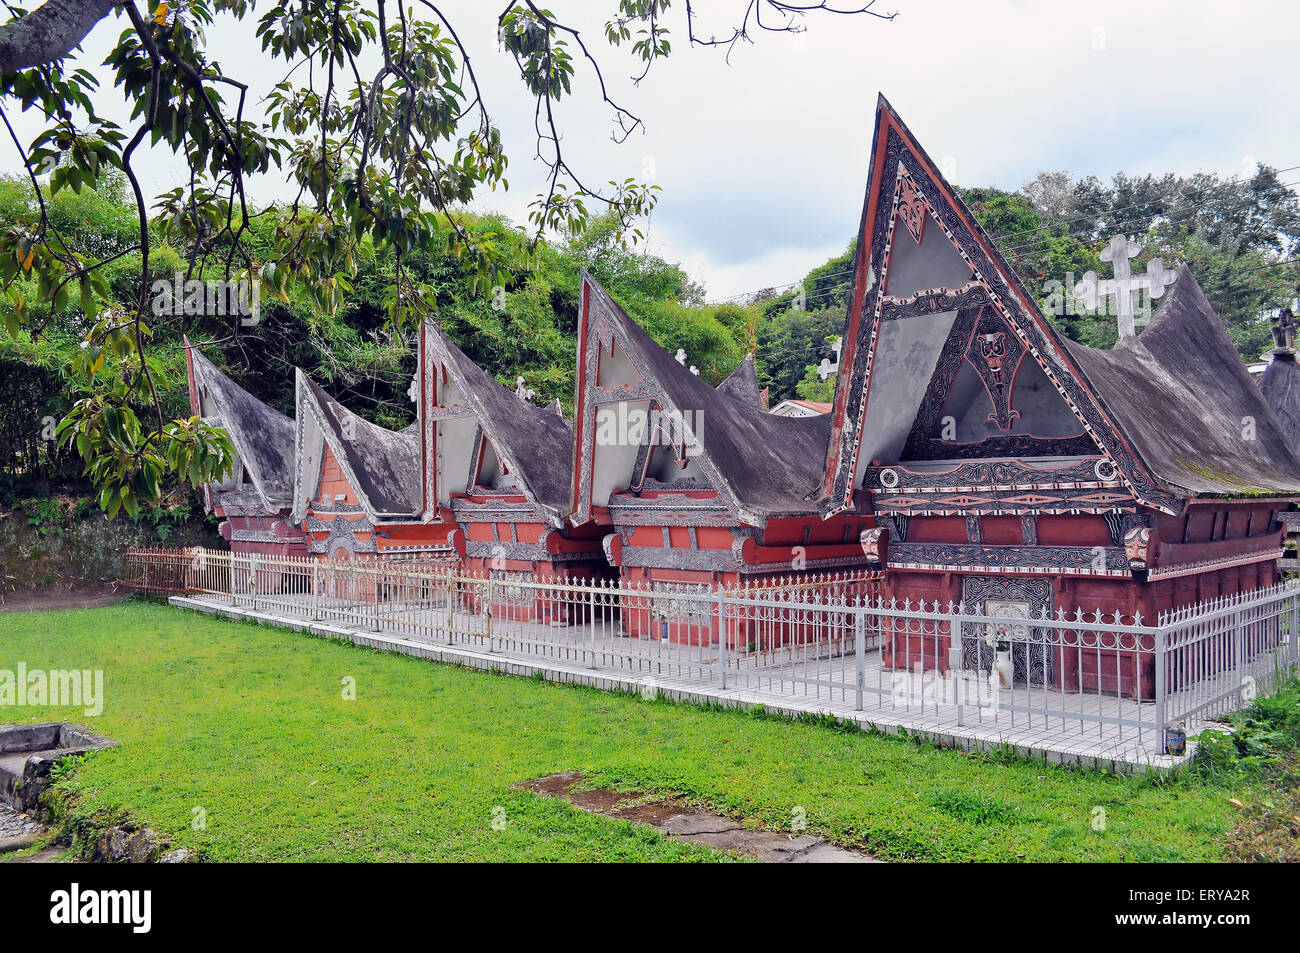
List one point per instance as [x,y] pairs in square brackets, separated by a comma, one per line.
[1284,328]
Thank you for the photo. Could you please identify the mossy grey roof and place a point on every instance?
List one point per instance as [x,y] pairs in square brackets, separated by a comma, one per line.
[261,435]
[1280,385]
[771,465]
[1182,397]
[382,465]
[742,383]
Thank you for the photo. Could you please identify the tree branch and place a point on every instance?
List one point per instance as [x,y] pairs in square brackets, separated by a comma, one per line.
[51,31]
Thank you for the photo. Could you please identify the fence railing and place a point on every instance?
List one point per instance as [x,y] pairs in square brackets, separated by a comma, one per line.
[827,638]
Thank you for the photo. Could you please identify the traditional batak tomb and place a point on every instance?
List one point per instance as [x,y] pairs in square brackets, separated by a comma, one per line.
[972,455]
[497,467]
[1017,472]
[255,501]
[694,485]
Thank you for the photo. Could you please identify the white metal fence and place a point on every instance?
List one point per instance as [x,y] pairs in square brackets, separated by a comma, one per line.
[827,638]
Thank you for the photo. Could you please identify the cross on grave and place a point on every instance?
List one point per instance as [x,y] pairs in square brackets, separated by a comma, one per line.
[413,391]
[680,357]
[825,369]
[522,392]
[1125,284]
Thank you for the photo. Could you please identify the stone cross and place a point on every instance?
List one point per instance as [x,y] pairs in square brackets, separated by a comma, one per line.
[522,392]
[1125,284]
[826,368]
[413,391]
[680,357]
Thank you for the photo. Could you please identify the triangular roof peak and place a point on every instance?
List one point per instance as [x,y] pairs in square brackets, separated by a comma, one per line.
[263,437]
[742,383]
[382,466]
[758,464]
[535,443]
[922,262]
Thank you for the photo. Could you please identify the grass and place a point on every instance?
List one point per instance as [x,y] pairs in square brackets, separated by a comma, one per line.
[1263,744]
[248,724]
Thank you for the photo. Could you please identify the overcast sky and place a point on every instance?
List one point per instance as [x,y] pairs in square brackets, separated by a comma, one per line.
[763,161]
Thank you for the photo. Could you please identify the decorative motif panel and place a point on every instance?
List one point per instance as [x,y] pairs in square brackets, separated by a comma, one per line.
[1019,601]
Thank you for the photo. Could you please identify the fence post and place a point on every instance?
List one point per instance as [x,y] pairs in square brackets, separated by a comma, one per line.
[1162,661]
[957,666]
[860,653]
[315,590]
[722,636]
[1291,632]
[254,565]
[489,611]
[1239,640]
[451,601]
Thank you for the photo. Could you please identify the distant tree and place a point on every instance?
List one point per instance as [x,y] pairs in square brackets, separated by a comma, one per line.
[812,387]
[789,341]
[1051,194]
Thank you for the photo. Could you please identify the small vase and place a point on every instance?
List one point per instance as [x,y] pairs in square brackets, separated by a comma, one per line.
[1003,668]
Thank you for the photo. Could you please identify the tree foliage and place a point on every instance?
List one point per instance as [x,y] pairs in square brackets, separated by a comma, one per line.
[381,126]
[527,327]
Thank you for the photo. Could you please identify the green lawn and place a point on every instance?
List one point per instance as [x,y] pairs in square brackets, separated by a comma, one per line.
[249,724]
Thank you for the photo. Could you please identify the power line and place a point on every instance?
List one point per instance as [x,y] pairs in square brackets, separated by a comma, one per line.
[1289,260]
[792,284]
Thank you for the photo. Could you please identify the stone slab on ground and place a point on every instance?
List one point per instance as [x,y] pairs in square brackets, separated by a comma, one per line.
[28,754]
[682,822]
[48,855]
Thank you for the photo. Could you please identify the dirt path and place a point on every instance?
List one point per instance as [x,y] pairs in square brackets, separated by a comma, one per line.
[60,597]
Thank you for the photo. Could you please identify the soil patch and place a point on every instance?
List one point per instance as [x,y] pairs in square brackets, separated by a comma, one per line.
[61,597]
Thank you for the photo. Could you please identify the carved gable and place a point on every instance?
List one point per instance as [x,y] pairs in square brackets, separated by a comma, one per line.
[986,400]
[946,356]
